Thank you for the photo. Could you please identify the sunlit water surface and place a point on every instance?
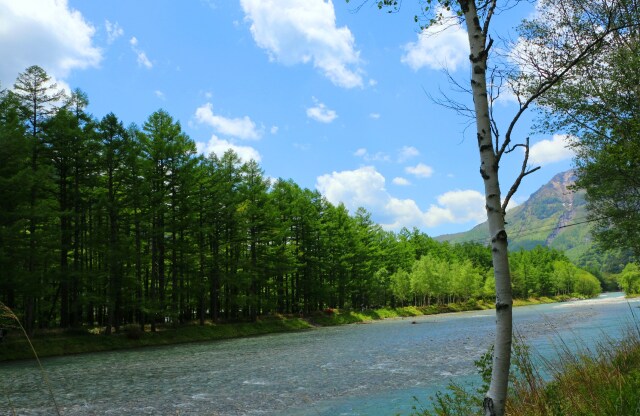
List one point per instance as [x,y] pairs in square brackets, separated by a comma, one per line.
[371,369]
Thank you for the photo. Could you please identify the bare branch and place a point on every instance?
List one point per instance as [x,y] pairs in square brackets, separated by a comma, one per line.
[523,172]
[555,78]
[485,28]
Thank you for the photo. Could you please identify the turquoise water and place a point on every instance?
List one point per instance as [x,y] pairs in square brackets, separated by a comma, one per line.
[369,369]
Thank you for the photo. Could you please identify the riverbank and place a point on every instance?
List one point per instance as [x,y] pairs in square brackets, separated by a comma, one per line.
[76,341]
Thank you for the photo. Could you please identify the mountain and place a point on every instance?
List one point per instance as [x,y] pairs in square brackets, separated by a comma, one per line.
[547,218]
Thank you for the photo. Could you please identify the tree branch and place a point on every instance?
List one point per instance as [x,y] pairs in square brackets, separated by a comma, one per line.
[523,172]
[555,79]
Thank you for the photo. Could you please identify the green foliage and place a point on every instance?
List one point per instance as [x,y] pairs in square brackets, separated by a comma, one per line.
[598,105]
[118,227]
[629,279]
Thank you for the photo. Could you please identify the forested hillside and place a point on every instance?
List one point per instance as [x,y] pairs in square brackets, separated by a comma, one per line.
[555,216]
[102,224]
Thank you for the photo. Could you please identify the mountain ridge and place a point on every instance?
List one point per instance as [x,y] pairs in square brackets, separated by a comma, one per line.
[554,216]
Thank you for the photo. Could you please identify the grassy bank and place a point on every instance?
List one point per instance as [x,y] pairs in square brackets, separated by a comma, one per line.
[602,381]
[53,343]
[58,342]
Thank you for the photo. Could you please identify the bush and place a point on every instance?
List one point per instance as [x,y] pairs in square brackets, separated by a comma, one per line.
[133,332]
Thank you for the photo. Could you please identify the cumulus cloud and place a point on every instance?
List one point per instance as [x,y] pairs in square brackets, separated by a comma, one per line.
[320,112]
[420,170]
[557,149]
[143,60]
[401,181]
[47,33]
[406,153]
[305,31]
[114,31]
[242,128]
[365,187]
[220,146]
[458,206]
[439,46]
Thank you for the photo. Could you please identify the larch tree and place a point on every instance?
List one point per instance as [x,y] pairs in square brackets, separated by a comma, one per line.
[14,198]
[529,80]
[113,137]
[38,97]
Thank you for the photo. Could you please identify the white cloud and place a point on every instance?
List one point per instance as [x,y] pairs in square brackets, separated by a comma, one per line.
[274,129]
[47,33]
[365,187]
[160,95]
[440,46]
[143,60]
[305,31]
[376,157]
[242,128]
[321,113]
[557,149]
[457,207]
[220,146]
[374,116]
[406,153]
[401,181]
[355,188]
[420,170]
[114,31]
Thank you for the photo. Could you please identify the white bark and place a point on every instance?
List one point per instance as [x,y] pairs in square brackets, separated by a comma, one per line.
[495,398]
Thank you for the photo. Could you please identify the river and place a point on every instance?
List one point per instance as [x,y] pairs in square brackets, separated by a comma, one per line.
[367,369]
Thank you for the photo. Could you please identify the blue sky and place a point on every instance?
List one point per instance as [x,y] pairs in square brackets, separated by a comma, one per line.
[334,99]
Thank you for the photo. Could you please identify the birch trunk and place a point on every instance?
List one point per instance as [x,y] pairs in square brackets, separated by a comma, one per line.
[495,398]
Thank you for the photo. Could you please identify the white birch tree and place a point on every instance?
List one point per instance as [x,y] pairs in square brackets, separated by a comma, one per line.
[530,78]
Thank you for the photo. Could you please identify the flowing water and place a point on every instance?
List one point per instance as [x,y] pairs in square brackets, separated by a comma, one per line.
[371,369]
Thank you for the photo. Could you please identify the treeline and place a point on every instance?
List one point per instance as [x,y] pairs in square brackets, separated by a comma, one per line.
[102,224]
[444,277]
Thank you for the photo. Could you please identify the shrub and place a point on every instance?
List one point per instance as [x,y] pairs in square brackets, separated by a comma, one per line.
[133,332]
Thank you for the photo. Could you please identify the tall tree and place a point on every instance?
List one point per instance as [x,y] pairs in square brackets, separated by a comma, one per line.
[257,216]
[38,97]
[14,199]
[599,107]
[166,150]
[477,16]
[114,140]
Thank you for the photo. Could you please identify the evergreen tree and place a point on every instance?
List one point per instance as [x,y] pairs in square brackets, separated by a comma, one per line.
[37,97]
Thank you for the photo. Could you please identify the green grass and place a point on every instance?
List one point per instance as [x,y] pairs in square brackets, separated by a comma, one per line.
[77,341]
[62,343]
[602,381]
